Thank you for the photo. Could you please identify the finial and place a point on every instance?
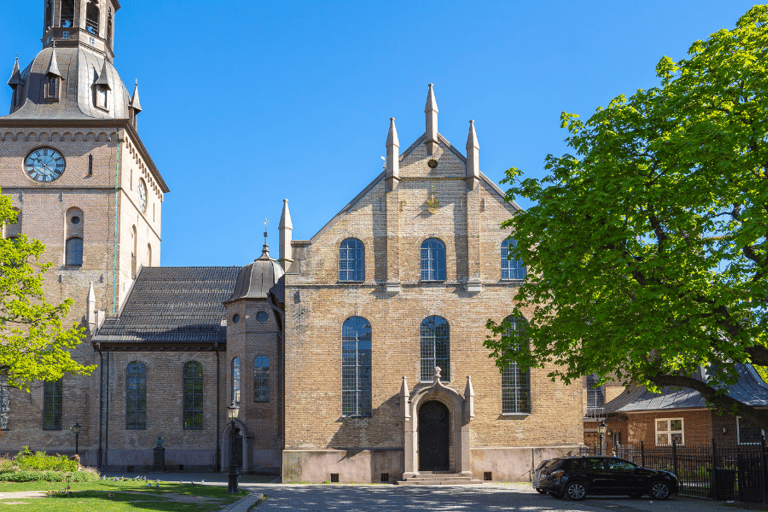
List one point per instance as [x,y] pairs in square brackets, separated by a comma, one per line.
[266,221]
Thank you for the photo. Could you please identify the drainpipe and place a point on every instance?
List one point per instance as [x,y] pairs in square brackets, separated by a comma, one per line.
[117,211]
[101,401]
[218,411]
[106,426]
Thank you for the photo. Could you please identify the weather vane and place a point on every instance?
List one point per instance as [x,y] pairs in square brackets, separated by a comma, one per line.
[266,221]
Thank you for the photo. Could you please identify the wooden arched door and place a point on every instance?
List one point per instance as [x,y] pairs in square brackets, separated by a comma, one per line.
[433,436]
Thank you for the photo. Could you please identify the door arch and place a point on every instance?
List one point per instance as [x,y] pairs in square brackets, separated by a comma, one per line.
[434,436]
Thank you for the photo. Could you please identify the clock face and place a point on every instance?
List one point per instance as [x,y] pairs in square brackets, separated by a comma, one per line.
[44,165]
[142,196]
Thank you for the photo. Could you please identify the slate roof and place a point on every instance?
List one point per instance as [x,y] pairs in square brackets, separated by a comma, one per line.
[750,389]
[256,280]
[173,305]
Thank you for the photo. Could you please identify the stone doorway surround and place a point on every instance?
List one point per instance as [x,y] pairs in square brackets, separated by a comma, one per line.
[462,411]
[247,438]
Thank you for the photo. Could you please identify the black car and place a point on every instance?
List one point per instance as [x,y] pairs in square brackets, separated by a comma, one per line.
[537,476]
[575,477]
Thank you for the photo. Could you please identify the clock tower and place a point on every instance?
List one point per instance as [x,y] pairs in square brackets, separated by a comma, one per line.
[81,178]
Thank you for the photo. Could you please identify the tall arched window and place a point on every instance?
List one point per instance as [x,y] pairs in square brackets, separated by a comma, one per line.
[235,396]
[109,28]
[351,260]
[67,13]
[432,260]
[193,396]
[511,268]
[136,396]
[92,18]
[75,227]
[261,379]
[515,382]
[52,396]
[48,15]
[435,348]
[356,367]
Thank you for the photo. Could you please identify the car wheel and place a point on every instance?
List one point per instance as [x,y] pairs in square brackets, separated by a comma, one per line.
[659,490]
[575,491]
[540,490]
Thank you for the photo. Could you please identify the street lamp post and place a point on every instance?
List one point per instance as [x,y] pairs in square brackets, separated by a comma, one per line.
[232,412]
[76,429]
[601,429]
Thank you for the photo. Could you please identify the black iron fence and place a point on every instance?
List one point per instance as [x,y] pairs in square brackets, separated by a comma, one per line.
[714,470]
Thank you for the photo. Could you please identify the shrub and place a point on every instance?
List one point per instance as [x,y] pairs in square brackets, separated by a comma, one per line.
[39,461]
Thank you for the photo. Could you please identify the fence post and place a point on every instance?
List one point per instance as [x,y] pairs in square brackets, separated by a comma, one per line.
[713,474]
[674,457]
[763,469]
[642,454]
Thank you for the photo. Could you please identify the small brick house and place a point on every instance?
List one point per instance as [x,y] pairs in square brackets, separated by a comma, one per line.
[682,415]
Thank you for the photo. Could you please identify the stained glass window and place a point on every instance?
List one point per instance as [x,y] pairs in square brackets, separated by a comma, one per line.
[435,348]
[261,379]
[52,392]
[356,367]
[193,396]
[136,396]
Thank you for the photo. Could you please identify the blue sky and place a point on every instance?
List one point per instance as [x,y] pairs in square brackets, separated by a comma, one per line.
[249,102]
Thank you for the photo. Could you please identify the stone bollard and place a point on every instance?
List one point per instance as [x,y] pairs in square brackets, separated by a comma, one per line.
[159,460]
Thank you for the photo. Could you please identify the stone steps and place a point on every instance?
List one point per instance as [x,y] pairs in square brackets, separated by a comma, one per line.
[439,479]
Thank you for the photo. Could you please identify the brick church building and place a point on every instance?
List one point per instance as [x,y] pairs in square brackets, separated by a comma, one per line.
[356,355]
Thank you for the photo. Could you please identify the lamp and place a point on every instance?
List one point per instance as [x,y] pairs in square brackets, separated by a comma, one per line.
[76,429]
[601,429]
[232,411]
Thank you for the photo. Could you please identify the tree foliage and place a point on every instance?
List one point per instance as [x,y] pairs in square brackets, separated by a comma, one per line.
[647,248]
[34,344]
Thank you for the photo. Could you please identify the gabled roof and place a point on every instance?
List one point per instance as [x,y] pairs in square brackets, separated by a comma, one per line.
[750,390]
[173,306]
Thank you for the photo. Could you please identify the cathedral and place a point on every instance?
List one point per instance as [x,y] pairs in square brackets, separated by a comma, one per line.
[354,356]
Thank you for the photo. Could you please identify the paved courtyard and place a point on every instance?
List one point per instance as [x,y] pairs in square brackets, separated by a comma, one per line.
[375,498]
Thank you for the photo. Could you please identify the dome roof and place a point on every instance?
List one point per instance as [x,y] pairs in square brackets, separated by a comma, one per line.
[257,279]
[80,70]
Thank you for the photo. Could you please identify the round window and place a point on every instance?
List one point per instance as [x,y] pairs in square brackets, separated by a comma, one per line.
[432,163]
[235,319]
[75,220]
[261,316]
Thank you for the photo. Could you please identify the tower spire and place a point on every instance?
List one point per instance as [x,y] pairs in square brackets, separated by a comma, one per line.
[431,112]
[473,150]
[15,74]
[393,153]
[286,237]
[135,103]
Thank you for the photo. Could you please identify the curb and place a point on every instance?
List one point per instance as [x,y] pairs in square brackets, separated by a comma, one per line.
[245,504]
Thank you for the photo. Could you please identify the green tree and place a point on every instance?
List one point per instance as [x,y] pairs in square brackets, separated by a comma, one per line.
[647,248]
[34,344]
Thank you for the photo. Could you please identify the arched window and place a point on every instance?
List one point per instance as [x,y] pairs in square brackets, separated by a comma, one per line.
[48,15]
[261,379]
[515,382]
[435,348]
[356,367]
[52,395]
[136,396]
[75,222]
[511,268]
[432,260]
[109,28]
[67,13]
[595,393]
[351,260]
[74,252]
[235,396]
[92,18]
[5,403]
[193,396]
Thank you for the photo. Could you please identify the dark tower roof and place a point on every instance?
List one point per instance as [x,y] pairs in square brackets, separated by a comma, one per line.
[256,280]
[80,70]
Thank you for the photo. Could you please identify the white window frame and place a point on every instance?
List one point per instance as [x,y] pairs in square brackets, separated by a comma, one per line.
[669,430]
[738,432]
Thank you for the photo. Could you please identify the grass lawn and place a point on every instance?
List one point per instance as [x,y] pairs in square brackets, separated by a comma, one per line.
[109,496]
